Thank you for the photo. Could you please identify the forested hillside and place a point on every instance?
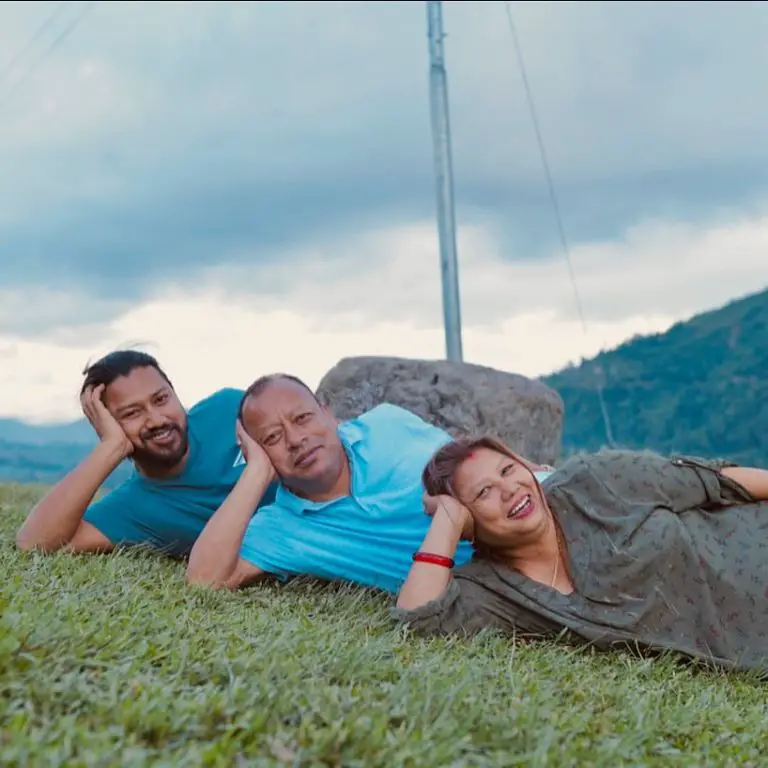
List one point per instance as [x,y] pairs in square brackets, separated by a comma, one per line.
[701,387]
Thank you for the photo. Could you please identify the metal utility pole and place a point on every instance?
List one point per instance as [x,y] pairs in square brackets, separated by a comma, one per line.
[446,216]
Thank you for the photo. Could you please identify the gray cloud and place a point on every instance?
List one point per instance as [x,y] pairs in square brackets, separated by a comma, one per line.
[161,138]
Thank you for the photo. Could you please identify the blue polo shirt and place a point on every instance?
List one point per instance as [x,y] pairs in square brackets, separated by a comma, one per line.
[169,514]
[370,536]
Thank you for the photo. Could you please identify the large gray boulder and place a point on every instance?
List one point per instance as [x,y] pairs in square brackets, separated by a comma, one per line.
[459,397]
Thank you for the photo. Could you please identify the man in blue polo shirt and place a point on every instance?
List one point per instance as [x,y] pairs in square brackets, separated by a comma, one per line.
[185,465]
[349,503]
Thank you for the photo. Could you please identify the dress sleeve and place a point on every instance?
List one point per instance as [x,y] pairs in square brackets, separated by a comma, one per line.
[467,607]
[678,483]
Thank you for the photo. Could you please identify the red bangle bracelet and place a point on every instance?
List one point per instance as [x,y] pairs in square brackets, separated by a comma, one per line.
[428,557]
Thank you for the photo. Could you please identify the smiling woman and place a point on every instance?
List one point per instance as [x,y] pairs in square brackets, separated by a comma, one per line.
[620,548]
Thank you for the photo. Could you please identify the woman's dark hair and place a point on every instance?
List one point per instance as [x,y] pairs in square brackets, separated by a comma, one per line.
[439,472]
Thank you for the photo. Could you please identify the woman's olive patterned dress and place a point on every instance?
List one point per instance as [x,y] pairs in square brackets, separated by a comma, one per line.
[663,554]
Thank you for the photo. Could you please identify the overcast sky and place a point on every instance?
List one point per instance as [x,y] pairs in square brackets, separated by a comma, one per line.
[244,187]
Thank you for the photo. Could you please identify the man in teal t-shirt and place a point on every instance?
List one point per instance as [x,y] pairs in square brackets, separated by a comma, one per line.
[185,465]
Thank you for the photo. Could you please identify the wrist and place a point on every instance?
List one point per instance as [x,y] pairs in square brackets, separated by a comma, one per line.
[112,453]
[433,558]
[443,536]
[257,476]
[449,519]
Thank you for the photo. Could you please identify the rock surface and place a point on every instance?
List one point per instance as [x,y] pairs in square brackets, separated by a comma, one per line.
[459,397]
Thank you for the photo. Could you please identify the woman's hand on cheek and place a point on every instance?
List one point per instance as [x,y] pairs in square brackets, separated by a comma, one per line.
[444,506]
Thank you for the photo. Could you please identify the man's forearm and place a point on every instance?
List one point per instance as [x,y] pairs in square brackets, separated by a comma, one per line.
[214,556]
[55,519]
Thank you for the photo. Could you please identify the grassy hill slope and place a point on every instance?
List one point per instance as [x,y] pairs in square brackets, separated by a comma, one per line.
[116,661]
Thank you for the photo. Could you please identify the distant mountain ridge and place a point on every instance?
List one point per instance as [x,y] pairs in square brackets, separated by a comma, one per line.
[32,453]
[699,388]
[72,433]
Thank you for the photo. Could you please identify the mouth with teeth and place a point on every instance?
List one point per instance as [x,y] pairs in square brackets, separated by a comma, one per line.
[162,437]
[521,508]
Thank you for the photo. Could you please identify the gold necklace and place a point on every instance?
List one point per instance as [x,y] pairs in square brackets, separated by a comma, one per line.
[559,545]
[557,567]
[557,556]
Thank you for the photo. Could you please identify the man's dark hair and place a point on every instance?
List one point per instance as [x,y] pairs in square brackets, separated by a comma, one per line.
[263,382]
[116,364]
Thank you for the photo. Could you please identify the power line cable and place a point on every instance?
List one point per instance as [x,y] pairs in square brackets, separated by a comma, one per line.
[22,52]
[63,35]
[556,210]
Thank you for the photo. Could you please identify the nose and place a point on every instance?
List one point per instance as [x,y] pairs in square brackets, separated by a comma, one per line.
[155,418]
[293,437]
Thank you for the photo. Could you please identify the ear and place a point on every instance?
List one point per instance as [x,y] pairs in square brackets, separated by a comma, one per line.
[328,414]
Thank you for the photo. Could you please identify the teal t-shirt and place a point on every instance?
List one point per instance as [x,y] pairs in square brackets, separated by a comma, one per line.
[170,514]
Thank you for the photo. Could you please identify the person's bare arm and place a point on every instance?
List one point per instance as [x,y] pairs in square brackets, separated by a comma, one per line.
[754,481]
[426,582]
[56,522]
[215,560]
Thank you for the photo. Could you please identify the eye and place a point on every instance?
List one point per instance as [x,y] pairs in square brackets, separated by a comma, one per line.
[302,418]
[272,438]
[132,414]
[162,399]
[484,492]
[507,469]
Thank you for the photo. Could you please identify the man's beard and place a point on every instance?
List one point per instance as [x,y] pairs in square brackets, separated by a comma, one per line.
[157,460]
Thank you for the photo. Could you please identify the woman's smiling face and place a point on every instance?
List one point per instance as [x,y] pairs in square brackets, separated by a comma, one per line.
[503,496]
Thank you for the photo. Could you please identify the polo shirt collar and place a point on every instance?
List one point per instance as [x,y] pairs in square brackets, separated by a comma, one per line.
[350,435]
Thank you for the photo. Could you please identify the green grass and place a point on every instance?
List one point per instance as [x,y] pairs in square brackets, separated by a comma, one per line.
[113,660]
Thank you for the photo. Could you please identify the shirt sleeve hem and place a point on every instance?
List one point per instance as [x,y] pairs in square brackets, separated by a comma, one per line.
[256,562]
[717,486]
[115,530]
[435,608]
